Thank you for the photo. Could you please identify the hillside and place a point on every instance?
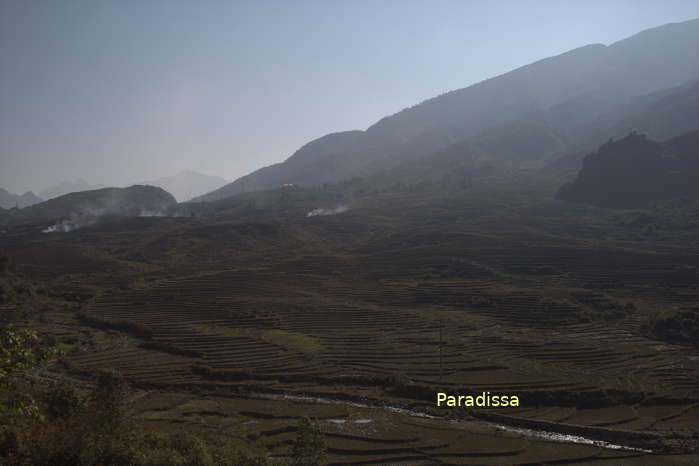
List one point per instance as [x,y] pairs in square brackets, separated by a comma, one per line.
[236,322]
[568,92]
[660,115]
[328,159]
[76,209]
[636,171]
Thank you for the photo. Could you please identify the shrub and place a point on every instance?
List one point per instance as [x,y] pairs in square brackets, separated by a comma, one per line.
[110,396]
[309,447]
[21,350]
[398,381]
[674,327]
[95,429]
[63,400]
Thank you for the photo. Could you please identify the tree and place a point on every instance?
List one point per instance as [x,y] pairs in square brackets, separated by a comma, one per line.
[110,397]
[309,448]
[63,400]
[20,352]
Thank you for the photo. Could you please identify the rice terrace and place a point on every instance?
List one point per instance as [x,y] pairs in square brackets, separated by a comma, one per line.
[237,324]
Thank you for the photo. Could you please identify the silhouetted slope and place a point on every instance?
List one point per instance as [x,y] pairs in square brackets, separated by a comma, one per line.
[135,200]
[493,153]
[636,171]
[328,159]
[569,92]
[660,115]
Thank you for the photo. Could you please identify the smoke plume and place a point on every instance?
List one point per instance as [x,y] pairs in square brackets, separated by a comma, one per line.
[333,211]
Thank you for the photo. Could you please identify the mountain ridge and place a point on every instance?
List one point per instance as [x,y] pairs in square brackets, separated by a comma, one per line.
[606,75]
[87,206]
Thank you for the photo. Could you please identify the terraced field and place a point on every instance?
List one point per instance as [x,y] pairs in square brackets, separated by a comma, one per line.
[228,322]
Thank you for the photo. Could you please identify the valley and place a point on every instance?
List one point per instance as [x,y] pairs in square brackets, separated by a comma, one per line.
[236,323]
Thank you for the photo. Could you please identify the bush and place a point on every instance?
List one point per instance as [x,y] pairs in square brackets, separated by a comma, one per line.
[398,381]
[110,396]
[95,429]
[63,400]
[309,447]
[678,327]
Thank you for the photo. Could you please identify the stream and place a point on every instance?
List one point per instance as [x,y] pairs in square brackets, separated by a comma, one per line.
[540,434]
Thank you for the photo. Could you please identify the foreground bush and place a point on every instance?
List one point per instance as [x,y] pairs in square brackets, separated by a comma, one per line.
[95,429]
[59,424]
[309,447]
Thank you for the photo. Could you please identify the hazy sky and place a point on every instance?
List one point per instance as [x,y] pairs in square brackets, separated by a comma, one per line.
[124,91]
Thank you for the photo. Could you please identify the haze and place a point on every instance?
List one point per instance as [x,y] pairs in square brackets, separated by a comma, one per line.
[118,92]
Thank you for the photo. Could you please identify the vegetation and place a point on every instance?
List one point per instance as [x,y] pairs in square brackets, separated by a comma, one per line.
[95,428]
[267,309]
[18,296]
[309,447]
[674,326]
[20,351]
[675,217]
[636,172]
[66,426]
[54,422]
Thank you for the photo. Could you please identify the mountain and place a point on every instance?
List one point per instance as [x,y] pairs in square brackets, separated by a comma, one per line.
[567,94]
[660,115]
[67,187]
[9,200]
[519,146]
[85,207]
[324,159]
[188,184]
[636,172]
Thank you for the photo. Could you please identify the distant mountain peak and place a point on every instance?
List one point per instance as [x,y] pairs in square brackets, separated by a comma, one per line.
[10,201]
